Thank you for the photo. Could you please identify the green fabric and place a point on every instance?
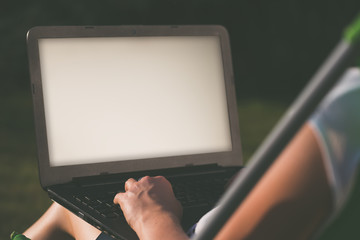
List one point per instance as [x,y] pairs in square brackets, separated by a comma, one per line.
[352,33]
[17,236]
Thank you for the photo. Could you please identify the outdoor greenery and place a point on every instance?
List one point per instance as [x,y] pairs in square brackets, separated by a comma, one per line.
[22,200]
[276,47]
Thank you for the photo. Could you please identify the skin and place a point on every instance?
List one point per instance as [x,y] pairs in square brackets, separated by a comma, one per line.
[291,201]
[150,205]
[58,223]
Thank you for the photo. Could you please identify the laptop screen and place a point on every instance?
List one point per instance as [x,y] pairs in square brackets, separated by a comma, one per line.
[124,98]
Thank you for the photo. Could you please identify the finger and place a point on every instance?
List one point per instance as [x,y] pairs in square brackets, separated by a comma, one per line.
[144,178]
[118,198]
[162,179]
[129,183]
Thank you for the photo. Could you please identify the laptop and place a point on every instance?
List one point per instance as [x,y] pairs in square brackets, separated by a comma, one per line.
[114,102]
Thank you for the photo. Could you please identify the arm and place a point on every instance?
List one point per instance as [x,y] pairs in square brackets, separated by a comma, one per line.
[294,193]
[151,208]
[290,201]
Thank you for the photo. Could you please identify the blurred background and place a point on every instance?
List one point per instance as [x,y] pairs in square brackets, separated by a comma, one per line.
[276,47]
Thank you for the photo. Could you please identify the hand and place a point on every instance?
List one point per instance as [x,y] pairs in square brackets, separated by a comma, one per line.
[148,203]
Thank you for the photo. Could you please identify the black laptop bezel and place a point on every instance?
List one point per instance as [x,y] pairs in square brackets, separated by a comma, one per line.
[50,175]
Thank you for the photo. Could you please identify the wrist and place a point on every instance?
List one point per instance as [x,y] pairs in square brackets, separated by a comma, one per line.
[156,225]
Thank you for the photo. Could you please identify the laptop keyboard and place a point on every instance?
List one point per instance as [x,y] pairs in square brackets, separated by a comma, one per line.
[191,191]
[199,190]
[102,204]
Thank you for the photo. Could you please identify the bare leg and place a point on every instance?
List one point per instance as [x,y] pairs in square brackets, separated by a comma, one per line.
[59,223]
[290,201]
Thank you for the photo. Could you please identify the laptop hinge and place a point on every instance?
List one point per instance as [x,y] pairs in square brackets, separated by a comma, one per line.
[106,178]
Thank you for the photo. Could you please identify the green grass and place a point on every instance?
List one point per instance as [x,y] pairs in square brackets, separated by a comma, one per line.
[22,200]
[256,119]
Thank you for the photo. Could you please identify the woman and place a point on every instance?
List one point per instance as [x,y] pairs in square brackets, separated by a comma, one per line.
[306,186]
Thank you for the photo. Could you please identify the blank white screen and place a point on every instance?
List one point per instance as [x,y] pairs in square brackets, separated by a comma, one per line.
[110,99]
